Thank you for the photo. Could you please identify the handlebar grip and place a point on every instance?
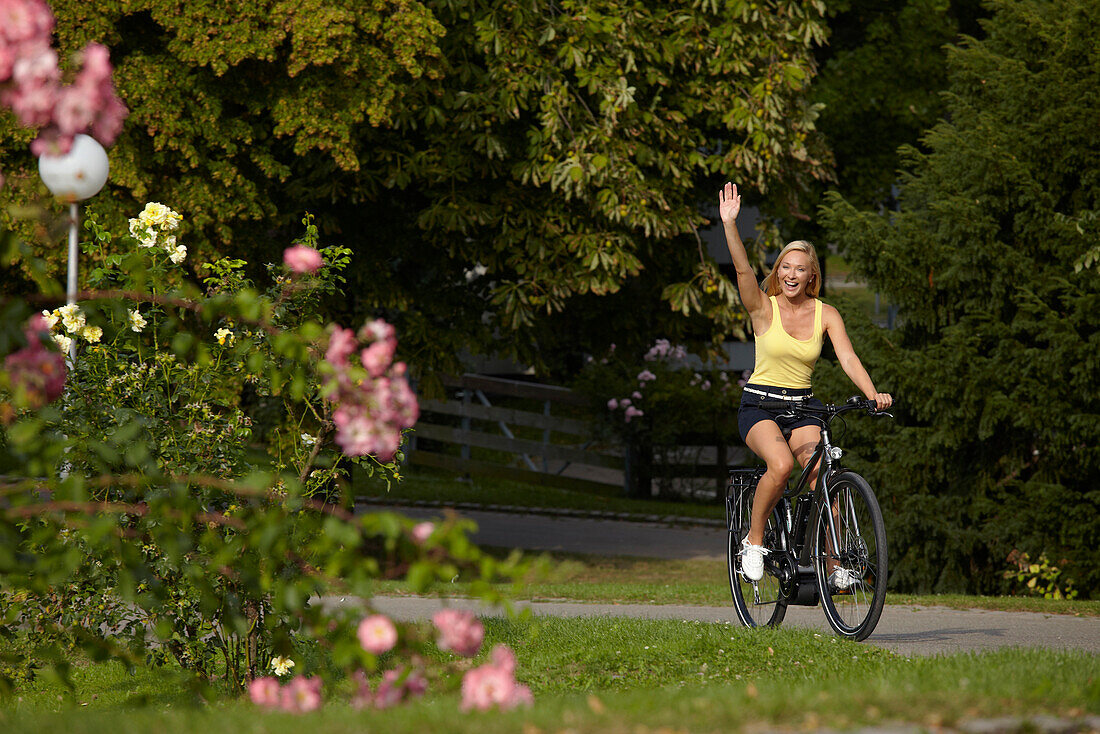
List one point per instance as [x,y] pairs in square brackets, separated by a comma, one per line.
[776,405]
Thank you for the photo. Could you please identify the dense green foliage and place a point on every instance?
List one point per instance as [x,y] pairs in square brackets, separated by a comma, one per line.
[997,356]
[882,75]
[561,149]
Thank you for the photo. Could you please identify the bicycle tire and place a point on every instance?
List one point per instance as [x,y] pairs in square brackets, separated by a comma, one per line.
[762,604]
[852,612]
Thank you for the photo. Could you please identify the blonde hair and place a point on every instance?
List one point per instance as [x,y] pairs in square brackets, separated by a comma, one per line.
[771,282]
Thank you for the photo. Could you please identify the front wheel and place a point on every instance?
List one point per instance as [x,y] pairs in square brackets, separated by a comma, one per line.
[850,559]
[758,603]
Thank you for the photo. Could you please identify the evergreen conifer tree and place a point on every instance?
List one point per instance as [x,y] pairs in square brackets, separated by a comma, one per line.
[997,355]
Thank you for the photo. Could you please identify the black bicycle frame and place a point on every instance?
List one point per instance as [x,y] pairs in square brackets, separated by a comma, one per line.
[799,581]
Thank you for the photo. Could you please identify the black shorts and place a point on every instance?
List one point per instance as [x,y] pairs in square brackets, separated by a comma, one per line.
[750,413]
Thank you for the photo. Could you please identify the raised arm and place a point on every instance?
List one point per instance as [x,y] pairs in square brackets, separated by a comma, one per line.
[849,362]
[729,206]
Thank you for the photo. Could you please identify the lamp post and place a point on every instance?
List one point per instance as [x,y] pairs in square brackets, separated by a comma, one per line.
[73,177]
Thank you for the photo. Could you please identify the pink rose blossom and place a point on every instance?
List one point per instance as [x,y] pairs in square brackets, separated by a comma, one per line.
[76,108]
[502,657]
[658,351]
[395,687]
[370,413]
[341,345]
[494,684]
[25,20]
[636,395]
[392,690]
[35,93]
[624,403]
[459,632]
[388,694]
[37,374]
[632,412]
[301,695]
[645,376]
[108,123]
[302,259]
[416,684]
[51,142]
[358,435]
[485,687]
[377,634]
[377,330]
[265,692]
[97,65]
[612,404]
[378,356]
[422,531]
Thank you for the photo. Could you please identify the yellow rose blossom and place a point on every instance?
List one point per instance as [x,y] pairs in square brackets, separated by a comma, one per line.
[92,333]
[137,321]
[63,341]
[281,665]
[159,215]
[72,318]
[224,335]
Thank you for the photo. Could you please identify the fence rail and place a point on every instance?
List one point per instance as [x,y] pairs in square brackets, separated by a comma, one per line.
[516,430]
[553,449]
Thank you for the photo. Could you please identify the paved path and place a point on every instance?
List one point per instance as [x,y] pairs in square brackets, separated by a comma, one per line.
[908,630]
[586,535]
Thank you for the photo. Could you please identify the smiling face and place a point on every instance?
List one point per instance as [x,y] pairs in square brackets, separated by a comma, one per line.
[796,272]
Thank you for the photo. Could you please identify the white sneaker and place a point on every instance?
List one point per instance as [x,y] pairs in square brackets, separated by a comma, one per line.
[842,579]
[752,560]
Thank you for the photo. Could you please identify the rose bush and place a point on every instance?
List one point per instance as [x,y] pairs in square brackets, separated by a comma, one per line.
[164,523]
[144,518]
[659,403]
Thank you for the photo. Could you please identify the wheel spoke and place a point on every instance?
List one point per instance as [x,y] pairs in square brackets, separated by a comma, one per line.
[850,548]
[756,602]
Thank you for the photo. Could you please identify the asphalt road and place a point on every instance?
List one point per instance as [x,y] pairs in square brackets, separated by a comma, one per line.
[909,630]
[586,535]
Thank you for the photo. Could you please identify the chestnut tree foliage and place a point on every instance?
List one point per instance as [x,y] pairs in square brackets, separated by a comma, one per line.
[997,355]
[506,172]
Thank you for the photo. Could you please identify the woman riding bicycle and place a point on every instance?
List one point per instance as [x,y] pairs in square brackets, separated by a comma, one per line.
[789,323]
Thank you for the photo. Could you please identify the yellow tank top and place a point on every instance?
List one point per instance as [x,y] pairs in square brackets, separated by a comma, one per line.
[782,360]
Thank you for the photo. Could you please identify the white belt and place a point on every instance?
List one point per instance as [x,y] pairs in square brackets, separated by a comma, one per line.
[791,398]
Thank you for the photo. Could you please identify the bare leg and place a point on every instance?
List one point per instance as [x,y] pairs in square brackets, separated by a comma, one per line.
[766,441]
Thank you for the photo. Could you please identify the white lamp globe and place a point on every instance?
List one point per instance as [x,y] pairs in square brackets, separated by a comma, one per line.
[77,175]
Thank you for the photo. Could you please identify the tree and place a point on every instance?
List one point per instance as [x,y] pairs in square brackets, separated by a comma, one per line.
[882,77]
[501,169]
[995,358]
[240,107]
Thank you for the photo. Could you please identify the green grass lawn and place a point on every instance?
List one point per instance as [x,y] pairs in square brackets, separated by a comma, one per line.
[628,580]
[616,675]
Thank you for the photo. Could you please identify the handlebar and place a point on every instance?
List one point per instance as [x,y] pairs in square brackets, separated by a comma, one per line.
[828,411]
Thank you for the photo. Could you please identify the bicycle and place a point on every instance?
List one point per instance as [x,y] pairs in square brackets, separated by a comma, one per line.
[847,533]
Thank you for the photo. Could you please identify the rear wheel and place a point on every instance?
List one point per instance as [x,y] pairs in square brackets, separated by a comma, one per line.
[850,559]
[757,603]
